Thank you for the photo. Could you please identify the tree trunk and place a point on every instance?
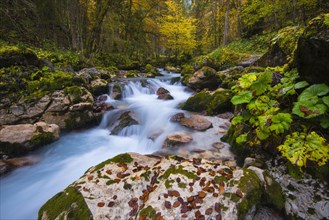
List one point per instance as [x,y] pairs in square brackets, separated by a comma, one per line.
[226,23]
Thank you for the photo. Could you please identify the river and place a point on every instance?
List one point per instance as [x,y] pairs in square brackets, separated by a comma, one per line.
[25,190]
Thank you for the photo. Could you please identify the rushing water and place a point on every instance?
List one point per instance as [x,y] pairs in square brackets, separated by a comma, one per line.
[24,191]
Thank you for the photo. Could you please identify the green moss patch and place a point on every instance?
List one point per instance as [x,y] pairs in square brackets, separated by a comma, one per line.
[121,158]
[42,138]
[179,170]
[149,211]
[250,185]
[61,206]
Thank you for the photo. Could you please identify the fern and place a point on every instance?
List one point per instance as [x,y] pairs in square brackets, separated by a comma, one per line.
[299,148]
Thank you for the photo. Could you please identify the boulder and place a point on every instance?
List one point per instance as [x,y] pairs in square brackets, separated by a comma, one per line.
[177,117]
[164,94]
[282,47]
[14,56]
[177,139]
[125,120]
[150,187]
[115,91]
[10,164]
[206,77]
[196,122]
[211,102]
[312,56]
[19,139]
[99,87]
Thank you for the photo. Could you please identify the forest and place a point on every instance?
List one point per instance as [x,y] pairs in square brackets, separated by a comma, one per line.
[164,109]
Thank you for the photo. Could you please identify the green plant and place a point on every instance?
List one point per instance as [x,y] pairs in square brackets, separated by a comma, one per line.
[299,148]
[311,102]
[263,111]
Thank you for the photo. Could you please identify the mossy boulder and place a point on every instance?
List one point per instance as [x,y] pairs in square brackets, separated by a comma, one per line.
[133,185]
[15,56]
[125,120]
[212,103]
[99,87]
[19,139]
[68,204]
[151,71]
[312,56]
[206,77]
[282,47]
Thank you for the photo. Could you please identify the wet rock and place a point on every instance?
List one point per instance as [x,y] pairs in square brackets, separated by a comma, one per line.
[206,77]
[211,102]
[125,120]
[116,91]
[177,117]
[163,94]
[159,200]
[60,102]
[19,139]
[312,55]
[196,122]
[177,139]
[252,162]
[99,87]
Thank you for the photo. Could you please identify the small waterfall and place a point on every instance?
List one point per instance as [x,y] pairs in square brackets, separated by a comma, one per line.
[24,191]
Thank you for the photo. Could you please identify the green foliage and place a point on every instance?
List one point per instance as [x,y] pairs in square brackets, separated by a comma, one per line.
[261,114]
[311,103]
[300,148]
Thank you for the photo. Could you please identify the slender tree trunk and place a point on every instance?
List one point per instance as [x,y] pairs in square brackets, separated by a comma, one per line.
[102,8]
[226,23]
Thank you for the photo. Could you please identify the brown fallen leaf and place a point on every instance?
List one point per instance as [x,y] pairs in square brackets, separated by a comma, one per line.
[90,178]
[239,193]
[167,204]
[101,204]
[174,193]
[209,211]
[202,194]
[218,207]
[176,204]
[111,204]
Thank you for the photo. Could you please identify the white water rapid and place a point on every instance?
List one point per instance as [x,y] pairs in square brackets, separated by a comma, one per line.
[25,190]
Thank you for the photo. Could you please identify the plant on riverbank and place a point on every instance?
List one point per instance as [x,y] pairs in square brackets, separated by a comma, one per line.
[263,113]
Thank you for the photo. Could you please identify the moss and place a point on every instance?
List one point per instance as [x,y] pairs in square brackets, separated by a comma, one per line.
[179,170]
[273,191]
[178,158]
[219,179]
[295,171]
[42,138]
[250,185]
[146,175]
[127,186]
[81,119]
[110,182]
[75,93]
[149,211]
[182,185]
[220,102]
[287,38]
[121,158]
[168,183]
[69,203]
[198,102]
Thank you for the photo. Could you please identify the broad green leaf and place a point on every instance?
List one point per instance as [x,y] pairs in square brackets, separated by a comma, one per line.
[262,83]
[309,109]
[326,100]
[241,139]
[261,134]
[325,122]
[298,148]
[314,91]
[237,119]
[301,85]
[246,81]
[242,97]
